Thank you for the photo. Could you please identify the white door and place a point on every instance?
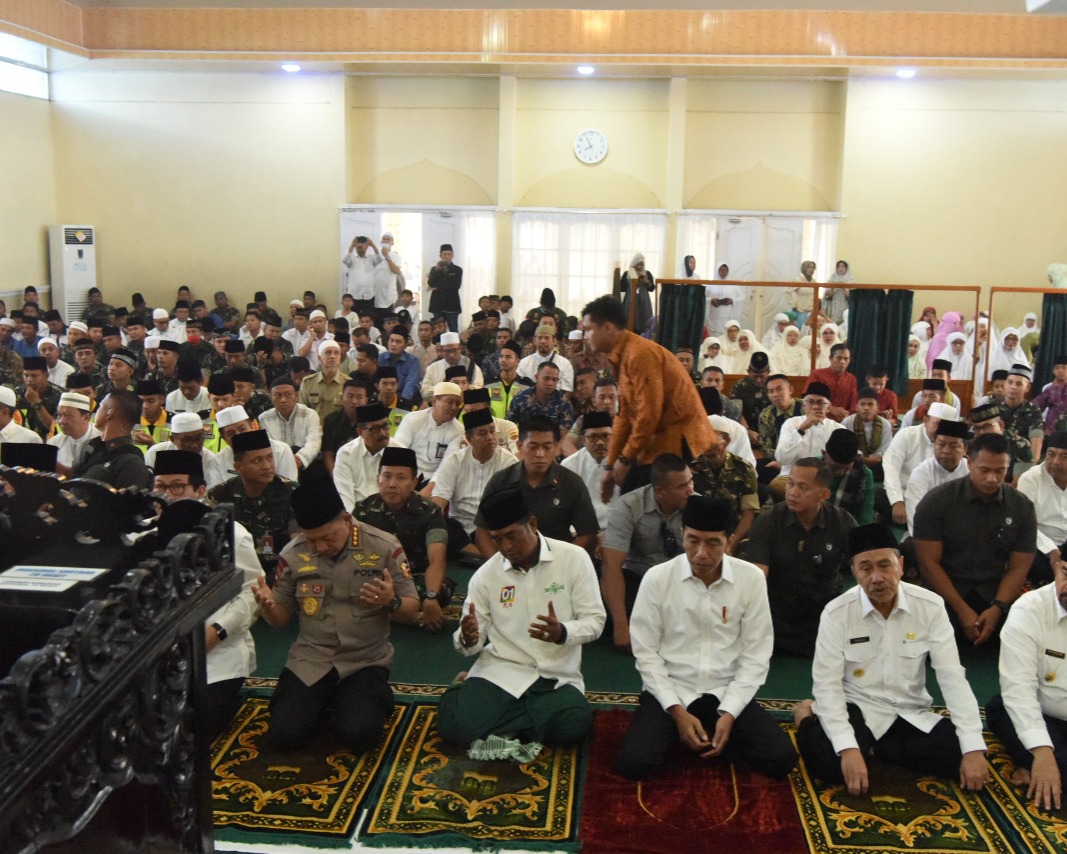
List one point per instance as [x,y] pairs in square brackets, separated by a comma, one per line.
[783,244]
[738,245]
[355,223]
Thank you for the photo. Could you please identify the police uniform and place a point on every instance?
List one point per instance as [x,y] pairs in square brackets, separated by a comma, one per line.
[501,395]
[268,516]
[343,646]
[397,413]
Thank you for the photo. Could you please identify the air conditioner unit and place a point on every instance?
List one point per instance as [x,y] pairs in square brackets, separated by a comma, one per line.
[73,255]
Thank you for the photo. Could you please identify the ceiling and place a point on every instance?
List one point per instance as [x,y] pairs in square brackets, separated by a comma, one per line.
[962,6]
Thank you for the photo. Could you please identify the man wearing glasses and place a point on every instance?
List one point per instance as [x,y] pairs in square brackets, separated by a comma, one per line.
[355,469]
[644,530]
[803,435]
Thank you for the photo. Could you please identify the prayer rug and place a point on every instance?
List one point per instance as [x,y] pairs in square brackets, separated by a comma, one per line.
[902,812]
[434,796]
[313,796]
[691,805]
[1042,831]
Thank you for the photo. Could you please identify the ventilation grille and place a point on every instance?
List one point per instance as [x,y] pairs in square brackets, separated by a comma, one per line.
[78,236]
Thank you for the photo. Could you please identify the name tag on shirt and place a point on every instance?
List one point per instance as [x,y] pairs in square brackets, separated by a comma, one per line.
[1054,653]
[441,448]
[859,640]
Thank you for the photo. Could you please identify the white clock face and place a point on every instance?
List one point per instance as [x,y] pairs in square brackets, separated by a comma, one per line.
[590,146]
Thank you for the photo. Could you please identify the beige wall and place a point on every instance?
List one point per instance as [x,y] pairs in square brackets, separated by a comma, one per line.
[960,182]
[217,181]
[422,141]
[233,180]
[632,114]
[27,191]
[762,145]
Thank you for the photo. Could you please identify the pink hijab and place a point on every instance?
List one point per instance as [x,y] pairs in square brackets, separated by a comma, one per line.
[951,321]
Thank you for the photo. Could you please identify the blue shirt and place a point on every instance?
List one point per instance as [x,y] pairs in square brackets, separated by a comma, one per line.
[407,372]
[25,349]
[556,408]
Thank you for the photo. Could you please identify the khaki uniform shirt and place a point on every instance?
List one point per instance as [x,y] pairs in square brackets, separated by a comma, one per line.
[336,631]
[322,395]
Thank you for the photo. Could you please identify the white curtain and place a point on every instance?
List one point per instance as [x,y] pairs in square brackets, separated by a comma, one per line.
[478,230]
[696,237]
[575,253]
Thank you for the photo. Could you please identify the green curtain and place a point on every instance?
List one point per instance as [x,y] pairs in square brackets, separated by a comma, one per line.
[896,328]
[1053,340]
[680,322]
[878,327]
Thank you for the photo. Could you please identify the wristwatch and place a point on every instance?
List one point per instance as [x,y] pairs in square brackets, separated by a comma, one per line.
[220,631]
[432,594]
[1002,605]
[392,606]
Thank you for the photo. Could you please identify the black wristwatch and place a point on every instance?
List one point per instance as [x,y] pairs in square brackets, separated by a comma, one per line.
[392,606]
[1002,605]
[220,631]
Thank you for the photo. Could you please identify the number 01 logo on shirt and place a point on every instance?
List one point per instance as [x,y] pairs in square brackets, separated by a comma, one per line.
[507,596]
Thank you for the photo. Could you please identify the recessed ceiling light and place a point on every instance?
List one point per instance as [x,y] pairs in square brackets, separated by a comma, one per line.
[291,67]
[905,73]
[586,69]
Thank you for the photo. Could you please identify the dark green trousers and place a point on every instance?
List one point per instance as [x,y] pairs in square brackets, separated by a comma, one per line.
[477,708]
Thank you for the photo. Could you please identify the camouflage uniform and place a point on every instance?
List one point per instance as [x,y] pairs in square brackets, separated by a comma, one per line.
[418,525]
[770,424]
[1021,424]
[29,418]
[10,367]
[753,399]
[268,517]
[734,482]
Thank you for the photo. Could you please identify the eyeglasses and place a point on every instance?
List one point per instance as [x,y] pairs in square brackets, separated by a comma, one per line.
[670,542]
[172,488]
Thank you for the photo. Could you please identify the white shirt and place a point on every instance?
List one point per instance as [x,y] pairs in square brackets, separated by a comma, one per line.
[303,430]
[177,331]
[461,481]
[1033,644]
[529,365]
[849,423]
[385,280]
[206,455]
[880,665]
[412,309]
[909,449]
[435,373]
[692,639]
[58,375]
[359,273]
[925,477]
[313,353]
[507,320]
[245,337]
[1050,502]
[14,433]
[718,316]
[236,656]
[430,441]
[508,600]
[740,444]
[178,402]
[792,446]
[355,472]
[71,450]
[296,339]
[221,469]
[591,472]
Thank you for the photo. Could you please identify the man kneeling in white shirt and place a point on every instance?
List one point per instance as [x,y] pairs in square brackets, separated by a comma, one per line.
[1030,716]
[527,682]
[701,632]
[869,677]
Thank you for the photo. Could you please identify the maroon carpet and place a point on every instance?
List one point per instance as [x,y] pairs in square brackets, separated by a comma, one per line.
[692,805]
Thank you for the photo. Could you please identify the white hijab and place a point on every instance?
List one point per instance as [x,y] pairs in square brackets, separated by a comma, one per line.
[823,359]
[790,359]
[705,360]
[1003,358]
[961,364]
[917,363]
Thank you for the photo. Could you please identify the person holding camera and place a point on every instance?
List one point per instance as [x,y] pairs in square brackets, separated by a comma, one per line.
[360,262]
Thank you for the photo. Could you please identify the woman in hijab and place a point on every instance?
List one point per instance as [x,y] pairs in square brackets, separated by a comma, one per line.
[916,362]
[1029,335]
[711,354]
[955,352]
[689,267]
[929,317]
[646,284]
[951,322]
[730,348]
[1009,353]
[788,356]
[827,338]
[777,330]
[921,330]
[1057,275]
[835,300]
[748,344]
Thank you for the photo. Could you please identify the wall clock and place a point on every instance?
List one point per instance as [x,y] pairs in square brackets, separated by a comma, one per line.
[590,146]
